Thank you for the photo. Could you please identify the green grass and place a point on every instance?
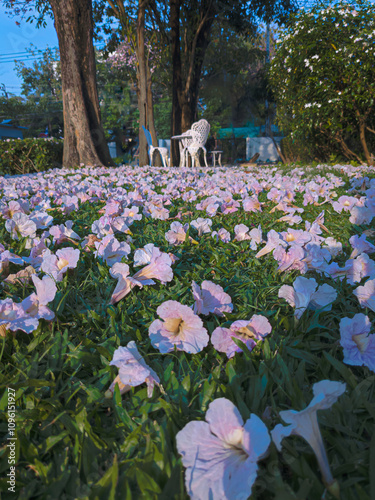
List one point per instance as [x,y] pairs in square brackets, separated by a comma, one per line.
[73,443]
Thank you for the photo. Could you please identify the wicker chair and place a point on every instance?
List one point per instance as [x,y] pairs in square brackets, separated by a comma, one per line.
[183,145]
[199,131]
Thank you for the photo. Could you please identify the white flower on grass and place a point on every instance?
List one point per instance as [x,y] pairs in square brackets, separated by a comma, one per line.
[305,424]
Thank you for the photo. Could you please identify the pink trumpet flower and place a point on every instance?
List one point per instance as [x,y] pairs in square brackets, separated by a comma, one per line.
[177,233]
[305,293]
[305,424]
[357,344]
[159,268]
[273,240]
[248,331]
[57,265]
[111,250]
[221,454]
[211,298]
[124,283]
[366,294]
[36,304]
[133,371]
[178,328]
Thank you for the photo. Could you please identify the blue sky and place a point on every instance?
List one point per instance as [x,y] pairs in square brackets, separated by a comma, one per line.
[15,40]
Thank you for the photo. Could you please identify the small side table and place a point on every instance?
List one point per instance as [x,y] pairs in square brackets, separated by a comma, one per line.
[218,153]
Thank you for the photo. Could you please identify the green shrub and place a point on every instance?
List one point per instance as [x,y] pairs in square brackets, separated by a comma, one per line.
[306,151]
[323,78]
[23,156]
[295,151]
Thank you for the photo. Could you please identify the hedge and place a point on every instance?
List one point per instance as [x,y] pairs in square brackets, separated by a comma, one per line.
[23,156]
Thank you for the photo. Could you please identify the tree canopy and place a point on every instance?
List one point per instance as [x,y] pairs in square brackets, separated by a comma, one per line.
[323,77]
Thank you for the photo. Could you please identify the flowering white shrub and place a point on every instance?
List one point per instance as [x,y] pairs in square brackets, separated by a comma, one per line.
[323,78]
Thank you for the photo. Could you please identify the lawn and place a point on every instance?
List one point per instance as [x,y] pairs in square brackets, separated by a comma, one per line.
[79,436]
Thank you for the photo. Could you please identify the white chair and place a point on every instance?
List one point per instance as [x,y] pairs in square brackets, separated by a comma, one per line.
[151,149]
[199,131]
[183,145]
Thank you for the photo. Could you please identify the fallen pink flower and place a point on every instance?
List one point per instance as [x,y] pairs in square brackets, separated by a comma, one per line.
[36,304]
[124,283]
[20,225]
[111,250]
[211,298]
[241,232]
[334,247]
[142,256]
[360,245]
[57,265]
[360,267]
[63,232]
[248,331]
[222,235]
[202,225]
[12,208]
[273,240]
[133,371]
[366,294]
[13,317]
[177,233]
[131,214]
[291,219]
[305,293]
[290,259]
[251,204]
[305,424]
[316,258]
[21,277]
[180,329]
[256,237]
[221,454]
[159,268]
[357,344]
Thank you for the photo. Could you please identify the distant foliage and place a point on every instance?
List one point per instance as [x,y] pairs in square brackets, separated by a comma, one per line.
[23,156]
[323,78]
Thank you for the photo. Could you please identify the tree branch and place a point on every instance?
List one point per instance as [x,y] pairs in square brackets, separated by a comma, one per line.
[114,8]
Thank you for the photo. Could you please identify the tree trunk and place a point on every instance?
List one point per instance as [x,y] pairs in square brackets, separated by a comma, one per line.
[176,79]
[84,139]
[345,149]
[150,116]
[197,51]
[362,137]
[185,82]
[142,83]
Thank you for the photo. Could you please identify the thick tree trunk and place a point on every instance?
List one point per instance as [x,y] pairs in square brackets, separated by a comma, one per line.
[186,76]
[189,108]
[176,79]
[197,51]
[345,149]
[84,140]
[150,116]
[142,83]
[362,137]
